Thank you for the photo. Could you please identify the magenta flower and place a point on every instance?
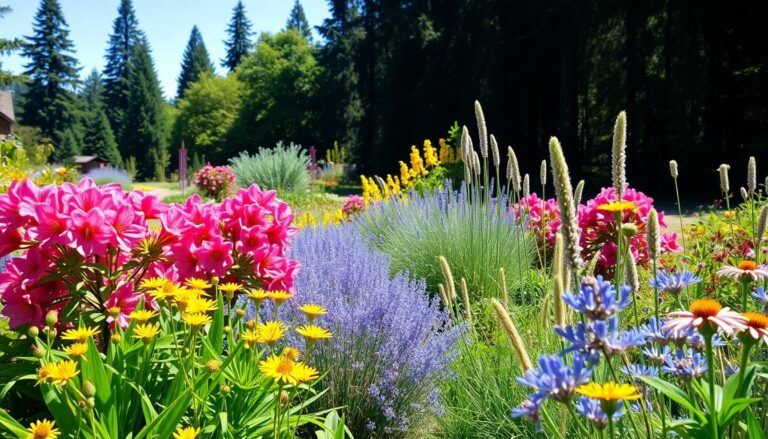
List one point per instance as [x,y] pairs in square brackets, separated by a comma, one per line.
[215,256]
[121,304]
[89,232]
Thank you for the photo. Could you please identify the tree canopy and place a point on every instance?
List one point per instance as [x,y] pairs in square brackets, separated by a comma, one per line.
[239,42]
[195,63]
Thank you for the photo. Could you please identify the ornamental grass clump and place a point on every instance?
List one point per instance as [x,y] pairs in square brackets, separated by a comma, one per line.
[282,168]
[391,343]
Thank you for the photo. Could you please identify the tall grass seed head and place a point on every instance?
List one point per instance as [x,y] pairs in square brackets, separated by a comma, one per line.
[526,185]
[620,154]
[752,175]
[513,170]
[577,193]
[673,168]
[543,173]
[564,191]
[495,152]
[653,235]
[761,223]
[724,184]
[482,129]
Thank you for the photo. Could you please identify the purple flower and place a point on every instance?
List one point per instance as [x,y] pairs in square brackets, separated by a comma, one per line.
[597,299]
[658,356]
[640,370]
[390,343]
[530,410]
[556,380]
[674,282]
[590,409]
[600,336]
[686,365]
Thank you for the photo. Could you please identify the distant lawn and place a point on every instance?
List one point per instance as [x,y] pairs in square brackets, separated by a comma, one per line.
[158,184]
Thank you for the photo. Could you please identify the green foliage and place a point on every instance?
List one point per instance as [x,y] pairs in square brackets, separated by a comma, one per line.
[239,42]
[283,168]
[298,20]
[280,86]
[131,167]
[98,137]
[147,138]
[206,116]
[195,63]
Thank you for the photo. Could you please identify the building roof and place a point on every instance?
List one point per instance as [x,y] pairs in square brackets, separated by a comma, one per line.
[80,159]
[6,106]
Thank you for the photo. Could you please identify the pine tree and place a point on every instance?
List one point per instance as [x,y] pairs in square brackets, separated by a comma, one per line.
[6,48]
[49,101]
[298,20]
[98,138]
[145,115]
[239,43]
[125,35]
[195,63]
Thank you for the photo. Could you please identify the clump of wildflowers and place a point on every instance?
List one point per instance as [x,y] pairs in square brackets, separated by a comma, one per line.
[216,182]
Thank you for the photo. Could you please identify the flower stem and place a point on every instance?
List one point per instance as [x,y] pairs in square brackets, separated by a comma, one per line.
[578,422]
[656,295]
[611,432]
[680,215]
[745,347]
[709,333]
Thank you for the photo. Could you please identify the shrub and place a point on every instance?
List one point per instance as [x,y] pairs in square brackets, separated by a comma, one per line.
[477,238]
[215,182]
[283,168]
[391,342]
[109,174]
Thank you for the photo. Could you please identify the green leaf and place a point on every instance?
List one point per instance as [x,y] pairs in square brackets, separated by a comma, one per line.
[12,425]
[216,333]
[754,430]
[165,423]
[65,417]
[92,369]
[675,394]
[733,408]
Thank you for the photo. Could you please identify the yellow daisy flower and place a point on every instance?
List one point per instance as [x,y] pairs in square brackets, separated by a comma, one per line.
[617,206]
[198,284]
[76,350]
[290,352]
[270,332]
[62,372]
[153,283]
[259,296]
[197,319]
[42,429]
[197,305]
[79,334]
[146,331]
[186,433]
[45,371]
[250,338]
[609,391]
[230,287]
[313,332]
[313,311]
[280,296]
[284,369]
[143,315]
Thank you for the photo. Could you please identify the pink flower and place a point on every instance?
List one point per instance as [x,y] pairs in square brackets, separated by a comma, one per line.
[121,304]
[129,228]
[746,269]
[89,232]
[707,312]
[215,256]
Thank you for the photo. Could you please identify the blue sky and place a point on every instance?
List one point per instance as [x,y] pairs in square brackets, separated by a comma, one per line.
[167,24]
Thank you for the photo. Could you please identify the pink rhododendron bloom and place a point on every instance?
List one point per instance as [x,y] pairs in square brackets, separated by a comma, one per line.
[90,233]
[121,304]
[215,256]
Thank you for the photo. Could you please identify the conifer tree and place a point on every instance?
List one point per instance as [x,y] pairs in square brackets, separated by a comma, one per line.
[125,35]
[147,137]
[49,101]
[7,47]
[195,63]
[239,42]
[98,138]
[298,20]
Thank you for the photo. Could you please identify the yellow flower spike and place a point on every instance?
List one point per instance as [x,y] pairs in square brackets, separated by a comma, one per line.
[313,332]
[445,152]
[230,287]
[312,311]
[76,350]
[143,315]
[196,320]
[43,429]
[186,433]
[146,332]
[62,372]
[326,219]
[430,154]
[197,283]
[153,283]
[79,334]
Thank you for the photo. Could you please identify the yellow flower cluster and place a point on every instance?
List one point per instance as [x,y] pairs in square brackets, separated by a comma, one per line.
[373,193]
[448,155]
[328,218]
[191,299]
[59,373]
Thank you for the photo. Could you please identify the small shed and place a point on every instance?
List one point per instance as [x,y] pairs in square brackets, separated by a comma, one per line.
[7,117]
[86,163]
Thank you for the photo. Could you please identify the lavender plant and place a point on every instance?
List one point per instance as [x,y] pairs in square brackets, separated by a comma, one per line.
[391,343]
[109,174]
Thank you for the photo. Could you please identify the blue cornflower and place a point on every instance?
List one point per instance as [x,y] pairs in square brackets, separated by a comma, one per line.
[590,339]
[655,333]
[597,299]
[674,282]
[696,340]
[590,408]
[640,370]
[658,356]
[530,410]
[762,296]
[686,365]
[730,369]
[556,380]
